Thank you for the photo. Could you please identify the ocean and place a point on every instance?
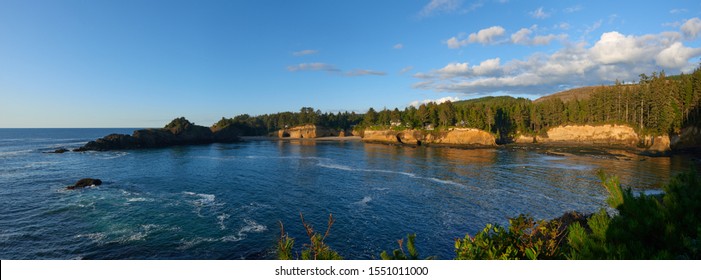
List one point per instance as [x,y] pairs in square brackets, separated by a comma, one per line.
[227,201]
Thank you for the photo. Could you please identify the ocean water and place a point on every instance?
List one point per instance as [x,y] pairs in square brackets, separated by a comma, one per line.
[227,201]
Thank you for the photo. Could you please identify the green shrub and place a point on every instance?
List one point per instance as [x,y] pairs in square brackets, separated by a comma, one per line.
[646,227]
[524,239]
[400,254]
[316,249]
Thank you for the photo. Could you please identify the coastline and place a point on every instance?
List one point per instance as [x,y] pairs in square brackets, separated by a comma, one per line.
[318,139]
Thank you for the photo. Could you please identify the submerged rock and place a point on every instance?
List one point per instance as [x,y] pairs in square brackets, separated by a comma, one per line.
[58,151]
[85,182]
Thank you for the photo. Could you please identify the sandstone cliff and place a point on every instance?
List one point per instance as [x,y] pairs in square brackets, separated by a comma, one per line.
[615,135]
[587,134]
[457,136]
[307,131]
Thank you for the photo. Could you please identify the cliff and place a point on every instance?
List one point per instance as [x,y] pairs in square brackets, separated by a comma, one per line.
[178,132]
[307,131]
[610,135]
[688,138]
[456,136]
[587,134]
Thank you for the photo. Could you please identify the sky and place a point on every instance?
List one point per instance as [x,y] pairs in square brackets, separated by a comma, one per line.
[140,63]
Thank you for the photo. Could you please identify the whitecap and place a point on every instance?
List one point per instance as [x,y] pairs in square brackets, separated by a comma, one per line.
[204,199]
[114,155]
[14,153]
[96,237]
[337,166]
[364,201]
[221,219]
[232,238]
[251,226]
[137,199]
[446,182]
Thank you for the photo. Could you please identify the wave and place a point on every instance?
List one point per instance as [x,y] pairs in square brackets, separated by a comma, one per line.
[204,199]
[407,174]
[14,153]
[95,237]
[221,219]
[112,155]
[250,227]
[364,201]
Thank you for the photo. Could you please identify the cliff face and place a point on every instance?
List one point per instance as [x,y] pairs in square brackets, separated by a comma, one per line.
[458,136]
[688,138]
[587,134]
[307,131]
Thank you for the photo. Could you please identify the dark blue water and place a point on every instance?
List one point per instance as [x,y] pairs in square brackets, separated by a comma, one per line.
[225,201]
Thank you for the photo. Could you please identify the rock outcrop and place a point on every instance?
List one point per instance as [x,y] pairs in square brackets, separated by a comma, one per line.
[688,138]
[587,134]
[307,131]
[620,135]
[457,137]
[85,182]
[57,151]
[179,132]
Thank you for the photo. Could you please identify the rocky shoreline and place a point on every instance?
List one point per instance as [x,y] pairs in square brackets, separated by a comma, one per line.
[178,132]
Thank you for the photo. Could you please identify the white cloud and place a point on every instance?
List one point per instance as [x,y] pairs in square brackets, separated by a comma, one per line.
[304,52]
[614,47]
[678,11]
[593,27]
[484,36]
[487,35]
[523,37]
[691,28]
[406,69]
[676,56]
[364,72]
[573,9]
[563,26]
[454,69]
[324,67]
[455,43]
[613,56]
[487,67]
[398,46]
[539,13]
[314,66]
[418,103]
[440,6]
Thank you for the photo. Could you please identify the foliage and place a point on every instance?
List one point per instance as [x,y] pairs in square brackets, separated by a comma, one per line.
[179,124]
[316,249]
[656,105]
[524,239]
[646,227]
[400,254]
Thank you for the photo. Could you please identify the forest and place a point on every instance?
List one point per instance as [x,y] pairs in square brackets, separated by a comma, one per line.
[657,104]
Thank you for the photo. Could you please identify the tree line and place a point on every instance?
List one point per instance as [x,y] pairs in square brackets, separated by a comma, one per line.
[657,104]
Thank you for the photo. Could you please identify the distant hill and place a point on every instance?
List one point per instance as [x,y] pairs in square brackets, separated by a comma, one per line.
[581,93]
[571,94]
[489,100]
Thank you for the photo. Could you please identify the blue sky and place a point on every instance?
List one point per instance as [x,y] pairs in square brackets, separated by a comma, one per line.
[142,63]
